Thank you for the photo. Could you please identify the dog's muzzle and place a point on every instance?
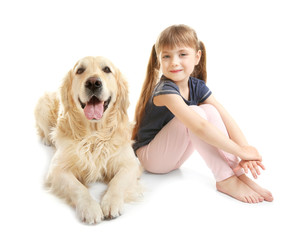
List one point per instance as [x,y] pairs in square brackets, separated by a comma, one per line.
[95,107]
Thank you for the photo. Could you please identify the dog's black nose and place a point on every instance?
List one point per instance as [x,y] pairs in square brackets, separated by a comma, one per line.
[93,83]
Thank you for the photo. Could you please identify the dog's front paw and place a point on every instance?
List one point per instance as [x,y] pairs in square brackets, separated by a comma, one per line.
[89,212]
[112,206]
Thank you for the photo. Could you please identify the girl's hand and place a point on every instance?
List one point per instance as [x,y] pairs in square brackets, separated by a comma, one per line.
[250,153]
[252,166]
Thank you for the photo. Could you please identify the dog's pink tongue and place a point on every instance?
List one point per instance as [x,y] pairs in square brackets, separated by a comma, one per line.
[94,110]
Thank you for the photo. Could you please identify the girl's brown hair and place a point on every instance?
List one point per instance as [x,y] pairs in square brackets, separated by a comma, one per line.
[171,37]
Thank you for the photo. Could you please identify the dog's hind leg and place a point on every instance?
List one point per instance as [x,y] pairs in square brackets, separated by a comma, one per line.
[46,113]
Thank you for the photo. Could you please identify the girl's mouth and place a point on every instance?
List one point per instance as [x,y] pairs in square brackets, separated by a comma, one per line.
[175,71]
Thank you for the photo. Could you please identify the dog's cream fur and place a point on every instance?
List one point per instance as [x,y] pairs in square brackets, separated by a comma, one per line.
[90,150]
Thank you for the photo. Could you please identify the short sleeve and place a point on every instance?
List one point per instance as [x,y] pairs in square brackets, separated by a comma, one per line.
[166,87]
[203,92]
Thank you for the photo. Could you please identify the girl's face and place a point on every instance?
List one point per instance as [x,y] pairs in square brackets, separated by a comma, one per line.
[178,63]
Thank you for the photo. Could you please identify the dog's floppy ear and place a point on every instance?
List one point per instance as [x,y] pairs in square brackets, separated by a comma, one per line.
[65,89]
[122,93]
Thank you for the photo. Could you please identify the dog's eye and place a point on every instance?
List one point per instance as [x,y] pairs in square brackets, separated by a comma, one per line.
[106,70]
[80,70]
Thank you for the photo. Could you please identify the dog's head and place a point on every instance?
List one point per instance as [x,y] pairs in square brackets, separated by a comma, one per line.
[93,87]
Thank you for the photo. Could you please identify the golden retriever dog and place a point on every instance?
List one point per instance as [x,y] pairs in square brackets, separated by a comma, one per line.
[87,122]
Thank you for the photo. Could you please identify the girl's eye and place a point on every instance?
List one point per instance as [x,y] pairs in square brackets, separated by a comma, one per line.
[165,56]
[183,54]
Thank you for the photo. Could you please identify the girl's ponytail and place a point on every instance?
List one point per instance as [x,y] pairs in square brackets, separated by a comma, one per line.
[200,69]
[152,76]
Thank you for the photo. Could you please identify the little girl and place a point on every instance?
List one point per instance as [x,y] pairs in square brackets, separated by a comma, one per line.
[178,114]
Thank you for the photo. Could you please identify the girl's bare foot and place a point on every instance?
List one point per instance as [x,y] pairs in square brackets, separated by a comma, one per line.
[237,189]
[263,192]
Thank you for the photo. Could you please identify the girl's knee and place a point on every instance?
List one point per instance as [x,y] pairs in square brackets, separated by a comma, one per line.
[210,110]
[199,110]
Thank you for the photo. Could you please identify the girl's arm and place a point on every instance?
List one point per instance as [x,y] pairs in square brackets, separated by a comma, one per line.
[203,129]
[236,135]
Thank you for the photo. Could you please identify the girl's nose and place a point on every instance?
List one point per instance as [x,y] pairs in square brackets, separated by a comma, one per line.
[175,61]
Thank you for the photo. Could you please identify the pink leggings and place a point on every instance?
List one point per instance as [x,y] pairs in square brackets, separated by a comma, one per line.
[175,143]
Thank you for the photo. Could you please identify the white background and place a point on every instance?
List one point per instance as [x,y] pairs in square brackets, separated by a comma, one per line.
[250,71]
